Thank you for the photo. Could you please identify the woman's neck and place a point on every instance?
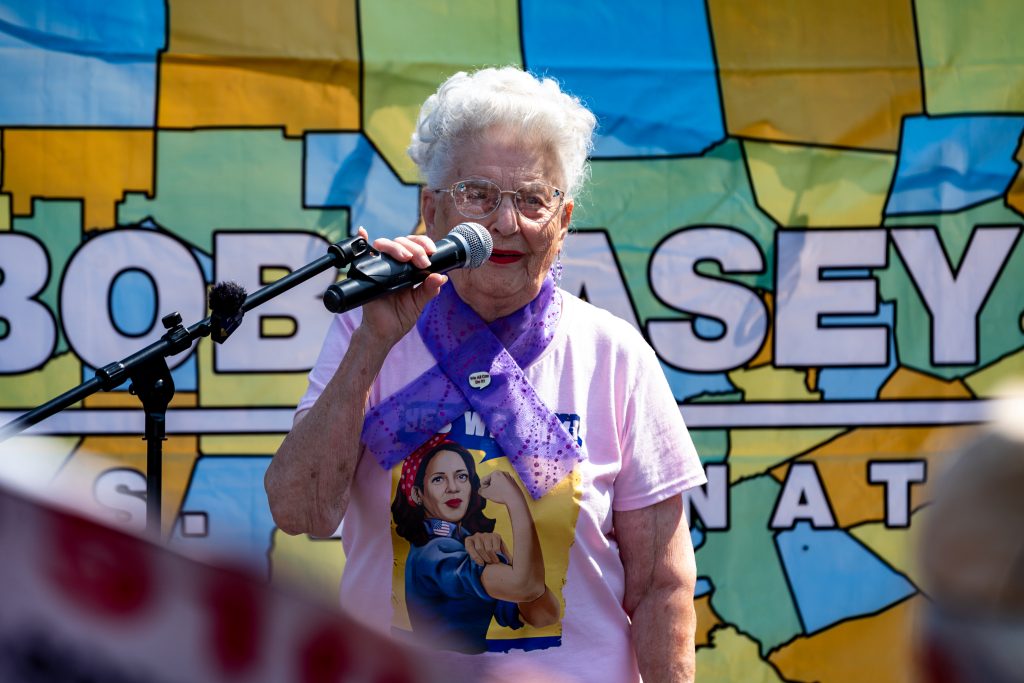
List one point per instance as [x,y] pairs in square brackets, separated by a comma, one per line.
[490,308]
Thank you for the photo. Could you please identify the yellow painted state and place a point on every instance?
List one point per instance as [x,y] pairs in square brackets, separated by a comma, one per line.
[707,620]
[970,52]
[909,383]
[313,566]
[124,399]
[896,546]
[263,390]
[1015,193]
[99,454]
[772,384]
[410,48]
[98,166]
[5,200]
[987,383]
[239,63]
[829,72]
[764,355]
[843,466]
[30,389]
[238,444]
[877,649]
[5,212]
[755,451]
[802,186]
[733,656]
[277,327]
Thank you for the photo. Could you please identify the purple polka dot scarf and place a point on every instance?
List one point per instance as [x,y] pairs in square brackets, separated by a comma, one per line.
[480,367]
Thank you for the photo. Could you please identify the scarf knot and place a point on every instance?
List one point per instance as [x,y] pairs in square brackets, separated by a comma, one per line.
[480,367]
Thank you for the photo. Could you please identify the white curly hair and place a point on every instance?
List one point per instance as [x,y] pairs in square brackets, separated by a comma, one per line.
[535,109]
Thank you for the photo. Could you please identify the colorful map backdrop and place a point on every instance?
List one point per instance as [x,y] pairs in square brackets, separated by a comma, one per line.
[811,210]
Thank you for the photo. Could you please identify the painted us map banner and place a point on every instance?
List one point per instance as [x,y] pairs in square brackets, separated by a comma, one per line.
[811,210]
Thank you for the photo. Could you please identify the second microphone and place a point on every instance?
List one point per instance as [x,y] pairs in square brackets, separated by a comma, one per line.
[468,245]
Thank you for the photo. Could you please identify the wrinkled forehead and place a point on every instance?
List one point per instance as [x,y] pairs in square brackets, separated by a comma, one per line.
[516,154]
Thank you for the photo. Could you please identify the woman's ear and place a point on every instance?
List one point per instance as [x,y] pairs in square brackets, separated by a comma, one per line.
[428,204]
[417,495]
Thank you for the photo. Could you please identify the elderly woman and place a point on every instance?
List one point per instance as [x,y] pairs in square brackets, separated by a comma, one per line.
[568,397]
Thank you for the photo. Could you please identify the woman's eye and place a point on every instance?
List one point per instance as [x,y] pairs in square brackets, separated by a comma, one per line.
[463,477]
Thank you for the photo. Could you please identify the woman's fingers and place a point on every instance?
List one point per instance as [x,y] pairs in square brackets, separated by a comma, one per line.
[483,548]
[415,249]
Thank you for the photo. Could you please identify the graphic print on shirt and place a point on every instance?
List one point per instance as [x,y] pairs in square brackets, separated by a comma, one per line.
[459,490]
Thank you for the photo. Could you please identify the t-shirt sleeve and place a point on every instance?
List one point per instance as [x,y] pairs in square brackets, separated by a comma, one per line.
[339,335]
[658,456]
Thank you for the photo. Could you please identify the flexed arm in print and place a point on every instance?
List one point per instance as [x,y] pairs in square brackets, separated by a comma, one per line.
[521,581]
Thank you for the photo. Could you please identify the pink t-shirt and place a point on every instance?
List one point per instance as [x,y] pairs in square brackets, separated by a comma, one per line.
[605,383]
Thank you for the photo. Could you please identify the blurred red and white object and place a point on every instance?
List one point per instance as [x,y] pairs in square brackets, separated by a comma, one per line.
[82,601]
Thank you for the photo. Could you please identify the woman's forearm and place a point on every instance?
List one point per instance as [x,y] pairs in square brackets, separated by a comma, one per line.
[309,477]
[523,581]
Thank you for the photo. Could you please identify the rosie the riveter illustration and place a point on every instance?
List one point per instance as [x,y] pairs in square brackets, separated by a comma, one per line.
[459,574]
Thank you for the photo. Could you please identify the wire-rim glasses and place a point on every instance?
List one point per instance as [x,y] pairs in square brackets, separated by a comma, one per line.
[478,198]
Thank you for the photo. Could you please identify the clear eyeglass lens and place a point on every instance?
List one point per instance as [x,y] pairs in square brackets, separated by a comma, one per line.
[479,198]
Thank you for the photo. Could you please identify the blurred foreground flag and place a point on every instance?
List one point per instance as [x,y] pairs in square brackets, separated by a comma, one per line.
[84,602]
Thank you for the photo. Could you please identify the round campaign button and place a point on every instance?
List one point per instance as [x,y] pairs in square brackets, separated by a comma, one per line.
[479,380]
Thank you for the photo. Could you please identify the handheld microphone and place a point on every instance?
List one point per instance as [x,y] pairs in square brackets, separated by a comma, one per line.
[468,245]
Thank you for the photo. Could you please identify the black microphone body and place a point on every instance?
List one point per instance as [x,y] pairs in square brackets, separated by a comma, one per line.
[375,274]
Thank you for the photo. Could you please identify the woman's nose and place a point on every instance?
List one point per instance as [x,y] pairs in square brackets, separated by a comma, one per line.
[506,217]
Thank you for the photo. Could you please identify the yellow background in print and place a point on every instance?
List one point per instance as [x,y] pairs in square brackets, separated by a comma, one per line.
[555,516]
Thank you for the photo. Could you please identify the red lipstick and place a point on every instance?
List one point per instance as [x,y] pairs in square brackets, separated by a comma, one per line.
[502,256]
[453,503]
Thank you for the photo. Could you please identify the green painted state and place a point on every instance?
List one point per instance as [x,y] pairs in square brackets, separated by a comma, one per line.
[999,322]
[970,54]
[58,225]
[750,586]
[712,444]
[209,180]
[641,203]
[408,49]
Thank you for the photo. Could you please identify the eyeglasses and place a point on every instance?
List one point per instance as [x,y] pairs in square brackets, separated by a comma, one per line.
[477,198]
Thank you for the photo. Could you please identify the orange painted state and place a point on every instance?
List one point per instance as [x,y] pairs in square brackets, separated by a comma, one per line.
[878,648]
[828,72]
[268,64]
[98,166]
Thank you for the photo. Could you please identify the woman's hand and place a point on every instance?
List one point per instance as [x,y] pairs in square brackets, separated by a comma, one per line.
[389,318]
[501,488]
[483,548]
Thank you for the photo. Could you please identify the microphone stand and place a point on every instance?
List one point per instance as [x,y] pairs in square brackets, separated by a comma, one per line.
[151,378]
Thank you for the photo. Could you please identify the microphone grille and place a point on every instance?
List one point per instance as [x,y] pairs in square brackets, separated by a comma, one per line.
[479,242]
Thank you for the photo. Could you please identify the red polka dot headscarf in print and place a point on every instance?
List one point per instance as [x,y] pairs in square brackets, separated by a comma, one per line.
[412,463]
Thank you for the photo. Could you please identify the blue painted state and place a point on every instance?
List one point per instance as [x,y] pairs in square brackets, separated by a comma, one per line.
[703,587]
[850,384]
[647,70]
[708,328]
[947,164]
[688,385]
[229,489]
[133,302]
[344,170]
[81,63]
[835,578]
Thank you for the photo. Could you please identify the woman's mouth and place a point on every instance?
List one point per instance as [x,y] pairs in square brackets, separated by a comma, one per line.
[503,256]
[453,503]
